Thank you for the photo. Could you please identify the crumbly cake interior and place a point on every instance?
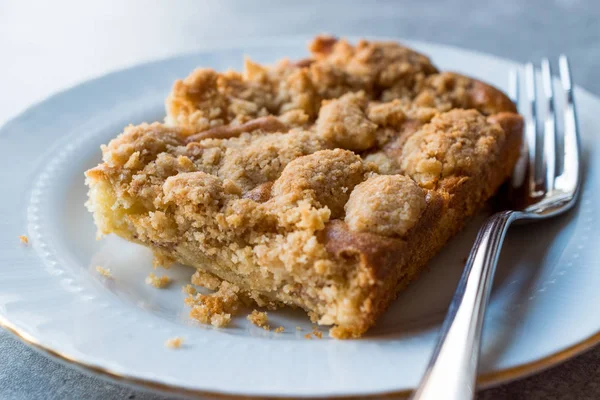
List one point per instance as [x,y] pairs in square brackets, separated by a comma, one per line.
[325,183]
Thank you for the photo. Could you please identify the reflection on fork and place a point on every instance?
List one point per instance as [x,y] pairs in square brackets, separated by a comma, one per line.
[546,182]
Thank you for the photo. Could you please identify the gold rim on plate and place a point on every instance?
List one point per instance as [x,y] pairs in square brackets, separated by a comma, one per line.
[484,380]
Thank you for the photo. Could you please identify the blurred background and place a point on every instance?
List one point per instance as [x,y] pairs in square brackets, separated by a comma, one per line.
[51,45]
[48,46]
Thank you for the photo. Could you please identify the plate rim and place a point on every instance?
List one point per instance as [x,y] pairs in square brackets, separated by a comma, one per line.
[485,380]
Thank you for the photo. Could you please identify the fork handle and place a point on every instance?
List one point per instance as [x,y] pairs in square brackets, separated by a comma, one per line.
[452,370]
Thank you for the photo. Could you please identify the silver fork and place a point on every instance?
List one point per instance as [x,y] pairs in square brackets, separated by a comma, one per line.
[551,187]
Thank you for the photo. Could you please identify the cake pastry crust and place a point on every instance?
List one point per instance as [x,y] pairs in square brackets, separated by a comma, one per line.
[326,183]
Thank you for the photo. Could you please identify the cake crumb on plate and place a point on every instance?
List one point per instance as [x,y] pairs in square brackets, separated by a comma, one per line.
[158,282]
[24,239]
[317,333]
[216,308]
[259,319]
[189,289]
[279,330]
[105,272]
[174,343]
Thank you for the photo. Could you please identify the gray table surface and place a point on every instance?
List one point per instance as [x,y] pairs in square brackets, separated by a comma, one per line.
[48,46]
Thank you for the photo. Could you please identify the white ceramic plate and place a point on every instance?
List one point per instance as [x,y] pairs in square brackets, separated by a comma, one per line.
[543,308]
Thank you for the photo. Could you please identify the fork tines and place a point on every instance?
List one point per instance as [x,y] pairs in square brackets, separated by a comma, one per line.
[551,154]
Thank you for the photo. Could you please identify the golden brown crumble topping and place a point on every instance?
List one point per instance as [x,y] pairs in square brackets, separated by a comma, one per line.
[325,183]
[324,179]
[343,122]
[455,143]
[389,205]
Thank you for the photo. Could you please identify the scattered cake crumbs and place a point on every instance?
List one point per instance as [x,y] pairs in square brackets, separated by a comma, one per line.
[105,272]
[279,330]
[158,282]
[204,279]
[317,333]
[298,328]
[189,289]
[216,308]
[24,239]
[174,343]
[308,336]
[259,319]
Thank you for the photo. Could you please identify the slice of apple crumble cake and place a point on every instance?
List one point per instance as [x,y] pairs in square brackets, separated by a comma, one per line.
[326,183]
